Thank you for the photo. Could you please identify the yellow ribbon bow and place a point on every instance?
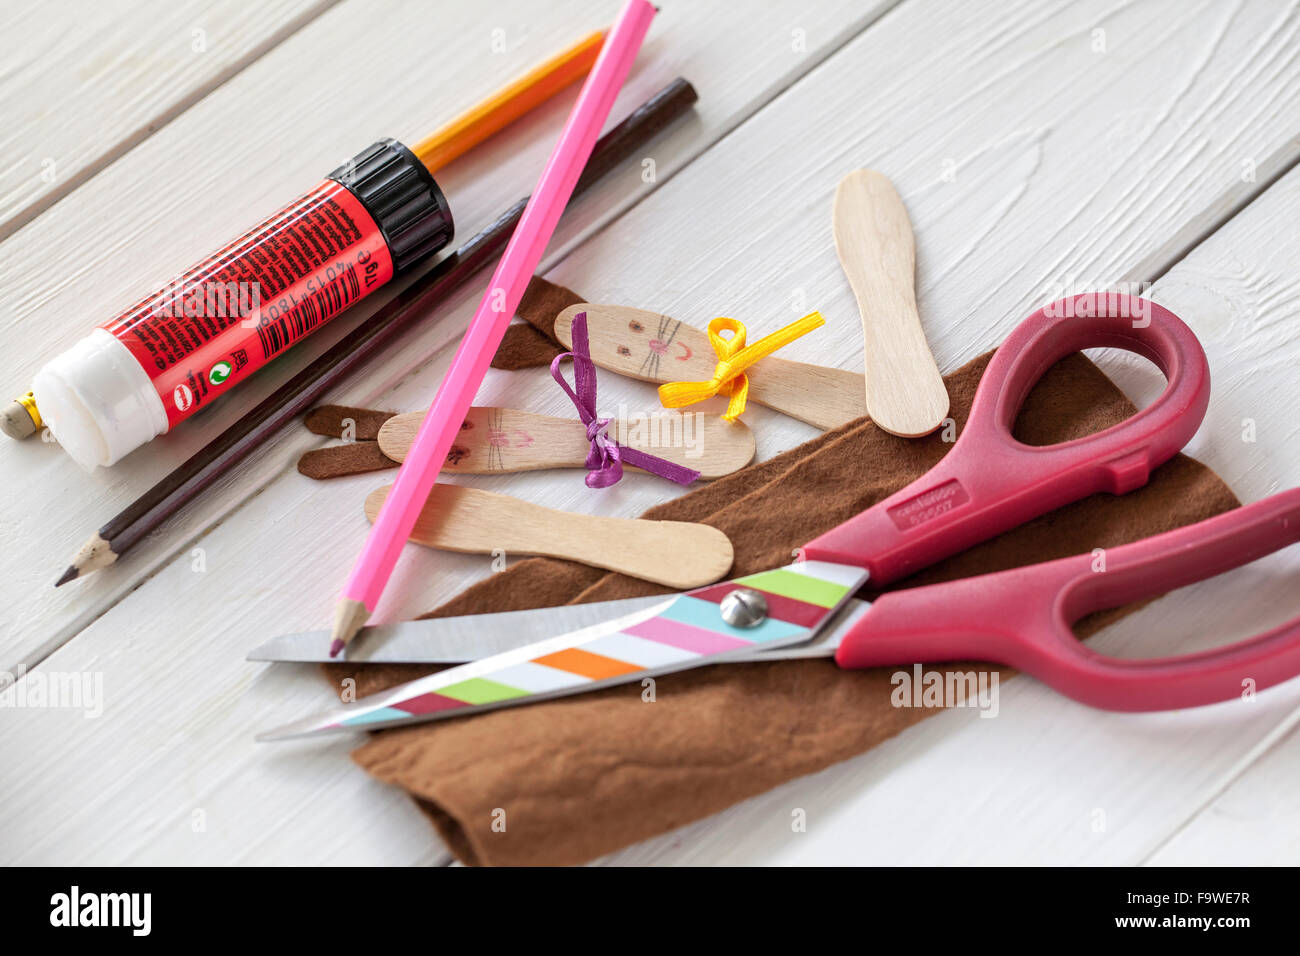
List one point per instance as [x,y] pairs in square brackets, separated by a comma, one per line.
[734,357]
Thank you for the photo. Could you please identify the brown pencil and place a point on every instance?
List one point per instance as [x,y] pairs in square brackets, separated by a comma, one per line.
[427,292]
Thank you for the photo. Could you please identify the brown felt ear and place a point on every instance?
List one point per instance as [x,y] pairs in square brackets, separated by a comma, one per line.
[337,461]
[535,344]
[542,302]
[332,420]
[524,347]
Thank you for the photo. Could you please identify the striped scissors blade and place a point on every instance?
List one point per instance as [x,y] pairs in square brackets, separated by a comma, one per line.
[448,640]
[681,631]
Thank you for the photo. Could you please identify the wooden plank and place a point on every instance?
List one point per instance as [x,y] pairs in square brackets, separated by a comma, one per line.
[1254,821]
[83,83]
[1245,278]
[175,198]
[1008,96]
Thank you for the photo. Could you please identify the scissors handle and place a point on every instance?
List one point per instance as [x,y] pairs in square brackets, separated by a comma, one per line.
[1023,617]
[990,482]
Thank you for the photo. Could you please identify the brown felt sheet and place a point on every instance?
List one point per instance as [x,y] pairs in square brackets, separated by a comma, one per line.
[582,776]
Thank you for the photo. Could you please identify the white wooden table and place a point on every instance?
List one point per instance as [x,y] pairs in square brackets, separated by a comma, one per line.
[1041,148]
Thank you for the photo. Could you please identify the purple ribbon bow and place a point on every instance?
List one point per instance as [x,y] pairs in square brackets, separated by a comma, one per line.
[606,457]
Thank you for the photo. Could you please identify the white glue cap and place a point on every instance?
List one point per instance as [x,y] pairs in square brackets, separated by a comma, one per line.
[99,403]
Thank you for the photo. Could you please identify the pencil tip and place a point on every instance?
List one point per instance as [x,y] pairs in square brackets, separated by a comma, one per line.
[349,615]
[94,554]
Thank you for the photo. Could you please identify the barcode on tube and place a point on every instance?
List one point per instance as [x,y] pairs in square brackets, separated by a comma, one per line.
[278,333]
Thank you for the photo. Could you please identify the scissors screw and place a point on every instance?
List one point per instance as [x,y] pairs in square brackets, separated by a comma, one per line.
[744,607]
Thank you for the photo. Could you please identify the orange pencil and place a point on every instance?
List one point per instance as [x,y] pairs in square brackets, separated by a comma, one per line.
[509,103]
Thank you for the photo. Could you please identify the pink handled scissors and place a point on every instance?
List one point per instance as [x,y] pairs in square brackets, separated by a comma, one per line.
[988,483]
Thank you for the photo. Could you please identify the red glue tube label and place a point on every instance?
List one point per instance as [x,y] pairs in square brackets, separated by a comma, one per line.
[231,314]
[156,364]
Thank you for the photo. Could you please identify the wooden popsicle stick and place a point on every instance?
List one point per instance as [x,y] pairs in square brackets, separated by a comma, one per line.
[654,348]
[495,440]
[905,394]
[677,554]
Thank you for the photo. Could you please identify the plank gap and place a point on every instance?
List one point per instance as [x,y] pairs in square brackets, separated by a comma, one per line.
[1269,743]
[1231,213]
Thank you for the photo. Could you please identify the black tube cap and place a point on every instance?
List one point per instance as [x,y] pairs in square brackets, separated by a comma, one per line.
[402,197]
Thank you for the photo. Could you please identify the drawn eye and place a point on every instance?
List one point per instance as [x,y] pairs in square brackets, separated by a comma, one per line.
[624,350]
[636,326]
[466,425]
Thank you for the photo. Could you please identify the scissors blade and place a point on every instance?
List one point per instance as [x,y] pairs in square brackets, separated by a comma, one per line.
[471,637]
[449,640]
[675,633]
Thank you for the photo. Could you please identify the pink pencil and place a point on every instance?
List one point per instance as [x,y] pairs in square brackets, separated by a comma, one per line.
[424,460]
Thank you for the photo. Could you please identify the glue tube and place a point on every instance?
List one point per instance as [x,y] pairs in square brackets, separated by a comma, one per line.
[158,363]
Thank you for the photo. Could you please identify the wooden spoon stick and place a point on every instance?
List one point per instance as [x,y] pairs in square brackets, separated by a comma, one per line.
[654,348]
[494,440]
[905,394]
[677,554]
